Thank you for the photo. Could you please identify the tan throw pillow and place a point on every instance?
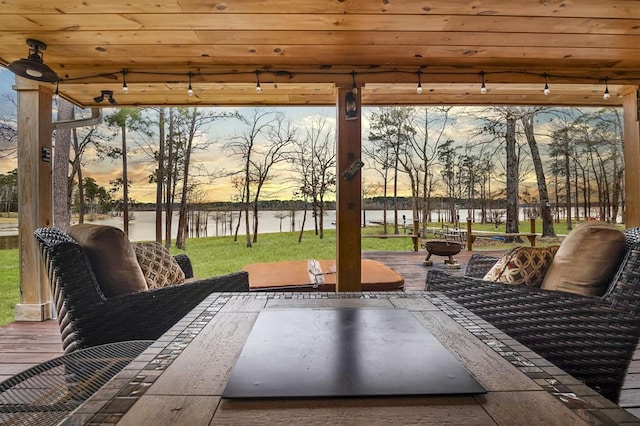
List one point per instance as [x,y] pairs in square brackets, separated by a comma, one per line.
[160,269]
[112,258]
[522,266]
[586,259]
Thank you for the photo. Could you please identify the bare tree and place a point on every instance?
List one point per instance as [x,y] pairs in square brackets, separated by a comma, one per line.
[389,130]
[244,147]
[512,222]
[314,162]
[432,126]
[79,146]
[60,172]
[528,120]
[159,175]
[9,130]
[122,120]
[280,135]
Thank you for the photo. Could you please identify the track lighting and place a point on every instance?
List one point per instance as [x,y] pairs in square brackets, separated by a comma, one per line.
[105,94]
[258,87]
[606,95]
[257,74]
[546,89]
[125,88]
[483,88]
[34,67]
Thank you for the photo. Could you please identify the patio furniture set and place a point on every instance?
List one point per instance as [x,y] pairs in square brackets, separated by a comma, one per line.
[590,336]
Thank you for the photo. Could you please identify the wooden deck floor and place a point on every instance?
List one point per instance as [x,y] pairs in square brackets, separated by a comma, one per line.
[24,344]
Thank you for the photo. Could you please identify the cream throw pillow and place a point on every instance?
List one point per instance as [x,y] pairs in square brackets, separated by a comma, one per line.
[586,259]
[160,269]
[522,266]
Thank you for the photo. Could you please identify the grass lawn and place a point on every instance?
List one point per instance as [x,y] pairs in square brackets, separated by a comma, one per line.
[220,255]
[9,284]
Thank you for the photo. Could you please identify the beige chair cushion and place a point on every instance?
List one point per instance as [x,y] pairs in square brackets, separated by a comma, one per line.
[522,266]
[112,258]
[586,259]
[159,267]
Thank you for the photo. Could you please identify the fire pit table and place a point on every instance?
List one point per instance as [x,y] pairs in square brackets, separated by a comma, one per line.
[442,248]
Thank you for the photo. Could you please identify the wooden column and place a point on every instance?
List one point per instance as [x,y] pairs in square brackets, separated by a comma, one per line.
[34,199]
[348,205]
[632,157]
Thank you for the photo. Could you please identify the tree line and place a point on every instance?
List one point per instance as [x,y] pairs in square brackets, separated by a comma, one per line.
[567,162]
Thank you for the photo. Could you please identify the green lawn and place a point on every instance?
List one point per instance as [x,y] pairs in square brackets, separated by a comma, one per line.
[220,255]
[9,284]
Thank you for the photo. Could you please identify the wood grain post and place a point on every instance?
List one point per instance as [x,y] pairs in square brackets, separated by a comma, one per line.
[632,156]
[34,199]
[469,235]
[348,203]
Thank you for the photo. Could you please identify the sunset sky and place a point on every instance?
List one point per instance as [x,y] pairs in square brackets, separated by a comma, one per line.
[214,158]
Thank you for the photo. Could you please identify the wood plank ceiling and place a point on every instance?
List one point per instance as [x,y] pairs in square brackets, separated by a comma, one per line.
[300,50]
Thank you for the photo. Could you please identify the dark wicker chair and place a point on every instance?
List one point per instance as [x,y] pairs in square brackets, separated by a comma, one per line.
[87,318]
[591,338]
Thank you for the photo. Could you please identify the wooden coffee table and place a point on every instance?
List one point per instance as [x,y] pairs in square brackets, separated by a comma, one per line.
[320,275]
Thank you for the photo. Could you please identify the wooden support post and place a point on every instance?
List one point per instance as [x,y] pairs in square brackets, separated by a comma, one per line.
[630,101]
[34,199]
[469,236]
[532,225]
[349,190]
[416,232]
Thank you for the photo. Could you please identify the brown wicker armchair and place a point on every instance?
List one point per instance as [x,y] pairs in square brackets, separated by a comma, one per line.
[87,318]
[591,338]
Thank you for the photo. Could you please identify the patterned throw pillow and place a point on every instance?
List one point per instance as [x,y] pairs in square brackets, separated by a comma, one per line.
[522,265]
[160,269]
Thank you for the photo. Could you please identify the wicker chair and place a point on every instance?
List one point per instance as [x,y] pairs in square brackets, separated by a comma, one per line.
[591,338]
[87,318]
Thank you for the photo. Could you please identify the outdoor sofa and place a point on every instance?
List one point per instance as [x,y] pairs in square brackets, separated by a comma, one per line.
[593,338]
[101,293]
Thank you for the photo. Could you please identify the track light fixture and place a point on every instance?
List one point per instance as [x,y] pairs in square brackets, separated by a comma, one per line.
[190,88]
[606,95]
[546,89]
[105,94]
[258,87]
[33,67]
[419,88]
[483,88]
[125,88]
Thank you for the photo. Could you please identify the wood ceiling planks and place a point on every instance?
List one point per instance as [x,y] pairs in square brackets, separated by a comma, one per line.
[557,8]
[224,42]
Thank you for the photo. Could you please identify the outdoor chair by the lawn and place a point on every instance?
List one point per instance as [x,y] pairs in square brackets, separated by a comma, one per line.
[90,314]
[592,338]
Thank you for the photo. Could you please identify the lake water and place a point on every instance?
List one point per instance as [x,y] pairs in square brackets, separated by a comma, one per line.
[142,227]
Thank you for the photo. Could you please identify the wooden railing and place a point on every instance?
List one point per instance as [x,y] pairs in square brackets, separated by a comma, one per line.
[415,236]
[472,235]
